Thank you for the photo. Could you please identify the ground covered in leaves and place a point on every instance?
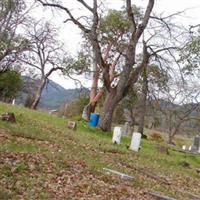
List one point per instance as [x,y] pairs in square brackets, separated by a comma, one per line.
[41,159]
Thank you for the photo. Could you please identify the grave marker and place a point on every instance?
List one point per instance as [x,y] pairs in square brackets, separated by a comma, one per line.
[126,128]
[71,125]
[196,144]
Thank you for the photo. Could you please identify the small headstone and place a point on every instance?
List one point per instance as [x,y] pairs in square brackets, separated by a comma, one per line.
[162,149]
[198,170]
[184,147]
[196,143]
[126,128]
[121,175]
[10,117]
[71,125]
[13,102]
[184,164]
[117,132]
[135,141]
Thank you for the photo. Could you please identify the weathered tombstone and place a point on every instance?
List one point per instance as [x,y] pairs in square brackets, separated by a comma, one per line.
[126,128]
[162,149]
[196,144]
[135,141]
[10,117]
[117,132]
[71,125]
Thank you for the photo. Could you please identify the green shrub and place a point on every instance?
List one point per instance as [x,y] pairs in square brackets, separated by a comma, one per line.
[10,84]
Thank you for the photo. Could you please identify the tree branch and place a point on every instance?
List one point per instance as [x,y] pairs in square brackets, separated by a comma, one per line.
[144,23]
[75,21]
[86,5]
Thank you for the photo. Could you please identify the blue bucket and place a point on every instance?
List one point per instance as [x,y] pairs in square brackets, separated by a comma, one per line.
[94,119]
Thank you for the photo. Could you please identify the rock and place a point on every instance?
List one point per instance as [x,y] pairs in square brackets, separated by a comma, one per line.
[10,117]
[198,170]
[184,164]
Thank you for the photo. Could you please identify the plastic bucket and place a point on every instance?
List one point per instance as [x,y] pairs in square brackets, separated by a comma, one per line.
[135,141]
[94,119]
[117,132]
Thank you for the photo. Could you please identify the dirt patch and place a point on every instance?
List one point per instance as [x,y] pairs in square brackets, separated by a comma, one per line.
[4,135]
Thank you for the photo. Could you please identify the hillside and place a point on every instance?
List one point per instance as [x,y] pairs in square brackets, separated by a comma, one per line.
[41,159]
[53,94]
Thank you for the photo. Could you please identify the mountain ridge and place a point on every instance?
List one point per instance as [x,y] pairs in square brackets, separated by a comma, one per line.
[53,94]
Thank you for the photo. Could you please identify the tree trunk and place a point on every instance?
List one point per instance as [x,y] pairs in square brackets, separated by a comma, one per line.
[170,135]
[143,102]
[90,107]
[38,93]
[87,110]
[110,103]
[170,138]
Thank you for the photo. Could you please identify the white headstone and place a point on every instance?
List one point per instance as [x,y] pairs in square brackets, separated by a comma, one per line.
[117,132]
[135,141]
[13,102]
[184,147]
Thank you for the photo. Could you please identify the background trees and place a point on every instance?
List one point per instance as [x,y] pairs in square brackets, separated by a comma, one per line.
[10,84]
[129,74]
[128,49]
[45,54]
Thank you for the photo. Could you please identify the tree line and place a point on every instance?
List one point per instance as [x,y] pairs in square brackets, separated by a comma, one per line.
[132,54]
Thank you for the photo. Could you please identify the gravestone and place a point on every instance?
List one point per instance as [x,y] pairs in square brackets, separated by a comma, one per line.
[117,132]
[126,128]
[10,117]
[71,125]
[196,144]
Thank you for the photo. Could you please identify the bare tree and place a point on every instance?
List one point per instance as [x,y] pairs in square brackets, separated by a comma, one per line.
[178,105]
[45,55]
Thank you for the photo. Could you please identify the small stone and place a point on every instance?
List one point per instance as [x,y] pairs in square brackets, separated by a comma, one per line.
[10,117]
[162,149]
[184,164]
[198,170]
[71,125]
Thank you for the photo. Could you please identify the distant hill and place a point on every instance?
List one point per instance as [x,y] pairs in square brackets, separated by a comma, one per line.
[53,94]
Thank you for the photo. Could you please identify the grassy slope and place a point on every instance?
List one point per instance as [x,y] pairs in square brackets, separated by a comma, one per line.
[41,159]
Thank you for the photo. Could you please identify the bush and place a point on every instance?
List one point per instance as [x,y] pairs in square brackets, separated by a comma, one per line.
[74,108]
[156,137]
[10,84]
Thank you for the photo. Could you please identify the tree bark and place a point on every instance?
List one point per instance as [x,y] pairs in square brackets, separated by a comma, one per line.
[87,110]
[37,96]
[127,79]
[143,101]
[108,110]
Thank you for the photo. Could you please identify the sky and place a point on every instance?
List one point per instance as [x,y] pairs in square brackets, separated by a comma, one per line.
[70,34]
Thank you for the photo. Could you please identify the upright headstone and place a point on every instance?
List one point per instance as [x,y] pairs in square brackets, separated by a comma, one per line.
[196,143]
[13,102]
[117,132]
[126,128]
[135,141]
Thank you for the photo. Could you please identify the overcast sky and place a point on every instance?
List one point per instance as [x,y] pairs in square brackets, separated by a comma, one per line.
[70,34]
